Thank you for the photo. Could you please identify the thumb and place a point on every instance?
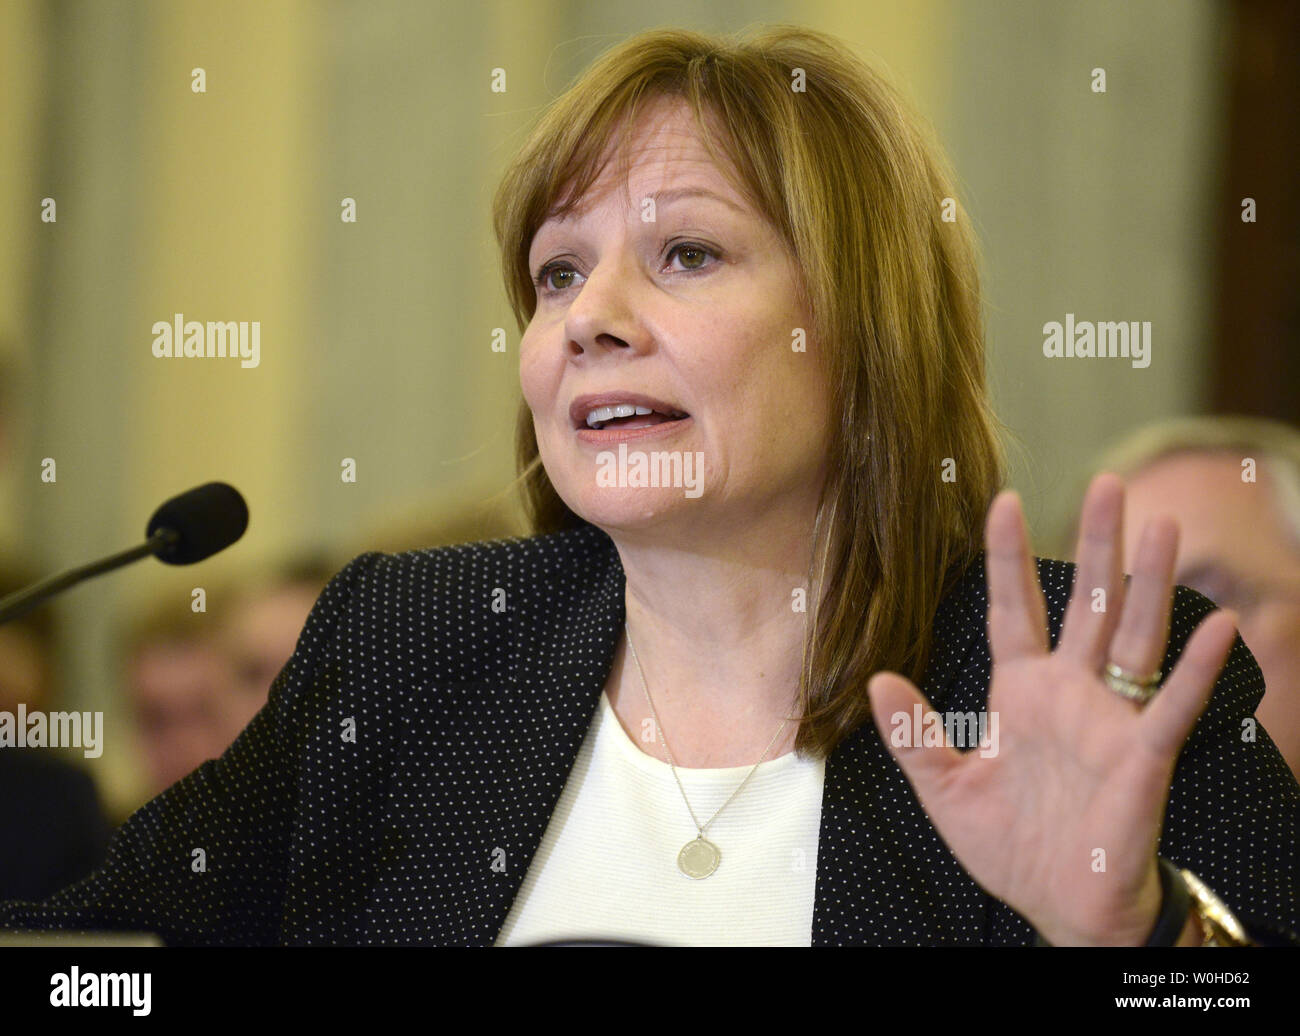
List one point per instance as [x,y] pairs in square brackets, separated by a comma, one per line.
[893,707]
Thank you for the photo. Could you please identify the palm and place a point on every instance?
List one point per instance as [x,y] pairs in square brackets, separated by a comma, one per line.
[1063,820]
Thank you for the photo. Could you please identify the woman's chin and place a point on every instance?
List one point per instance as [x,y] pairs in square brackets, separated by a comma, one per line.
[640,508]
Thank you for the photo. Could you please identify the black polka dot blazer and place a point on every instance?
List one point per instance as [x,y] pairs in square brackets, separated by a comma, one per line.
[398,782]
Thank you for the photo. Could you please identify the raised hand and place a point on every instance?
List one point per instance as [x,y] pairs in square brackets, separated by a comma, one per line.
[1063,821]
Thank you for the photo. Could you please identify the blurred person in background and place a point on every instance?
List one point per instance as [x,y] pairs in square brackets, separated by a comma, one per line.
[180,684]
[195,679]
[260,630]
[52,826]
[1233,485]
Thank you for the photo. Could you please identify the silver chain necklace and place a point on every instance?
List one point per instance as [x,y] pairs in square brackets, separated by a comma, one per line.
[699,857]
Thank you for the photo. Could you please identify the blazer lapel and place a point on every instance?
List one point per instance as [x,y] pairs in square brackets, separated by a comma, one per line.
[884,876]
[461,831]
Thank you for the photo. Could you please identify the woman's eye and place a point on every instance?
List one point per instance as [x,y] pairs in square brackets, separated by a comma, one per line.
[543,278]
[690,249]
[693,257]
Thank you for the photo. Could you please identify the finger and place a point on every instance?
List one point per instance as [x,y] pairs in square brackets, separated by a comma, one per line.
[1098,594]
[1172,713]
[1139,642]
[893,700]
[1017,612]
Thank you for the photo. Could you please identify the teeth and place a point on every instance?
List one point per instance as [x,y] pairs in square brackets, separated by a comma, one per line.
[602,414]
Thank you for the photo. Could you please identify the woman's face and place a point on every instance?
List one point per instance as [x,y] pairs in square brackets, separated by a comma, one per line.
[688,301]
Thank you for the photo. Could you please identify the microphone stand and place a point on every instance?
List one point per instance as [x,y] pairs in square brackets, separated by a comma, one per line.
[23,601]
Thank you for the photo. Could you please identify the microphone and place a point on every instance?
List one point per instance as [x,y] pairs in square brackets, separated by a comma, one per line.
[205,520]
[186,529]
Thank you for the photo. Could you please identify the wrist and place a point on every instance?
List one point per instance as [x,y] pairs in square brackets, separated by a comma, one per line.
[1166,917]
[1205,919]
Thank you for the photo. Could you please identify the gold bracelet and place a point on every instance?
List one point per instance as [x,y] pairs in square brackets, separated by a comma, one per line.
[1218,925]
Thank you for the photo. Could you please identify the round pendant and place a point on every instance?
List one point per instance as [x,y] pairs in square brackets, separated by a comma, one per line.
[699,858]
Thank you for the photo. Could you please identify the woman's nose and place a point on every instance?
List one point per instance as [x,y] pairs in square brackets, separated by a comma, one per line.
[601,313]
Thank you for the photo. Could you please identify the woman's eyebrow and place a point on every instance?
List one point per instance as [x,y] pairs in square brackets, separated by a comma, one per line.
[666,197]
[680,193]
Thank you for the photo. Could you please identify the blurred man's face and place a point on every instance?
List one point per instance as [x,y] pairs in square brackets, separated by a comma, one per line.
[1235,549]
[181,690]
[195,696]
[260,639]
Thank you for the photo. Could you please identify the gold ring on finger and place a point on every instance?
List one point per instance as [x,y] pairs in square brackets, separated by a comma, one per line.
[1140,689]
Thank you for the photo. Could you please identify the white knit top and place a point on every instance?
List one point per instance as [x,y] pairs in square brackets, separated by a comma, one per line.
[607,865]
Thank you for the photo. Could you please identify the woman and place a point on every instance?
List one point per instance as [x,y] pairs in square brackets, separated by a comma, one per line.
[756,444]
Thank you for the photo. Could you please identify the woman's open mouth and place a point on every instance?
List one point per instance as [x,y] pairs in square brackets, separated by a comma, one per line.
[632,416]
[628,416]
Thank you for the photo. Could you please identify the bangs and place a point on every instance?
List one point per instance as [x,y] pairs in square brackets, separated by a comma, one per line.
[584,157]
